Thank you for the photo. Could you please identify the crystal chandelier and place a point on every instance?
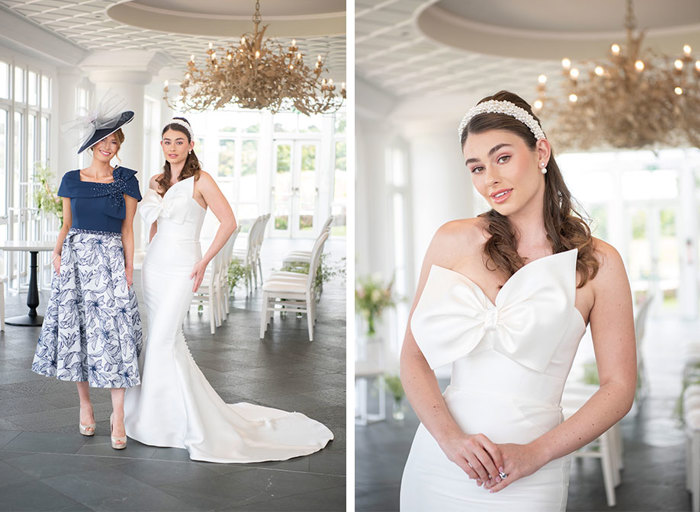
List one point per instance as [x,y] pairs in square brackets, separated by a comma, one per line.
[258,74]
[635,99]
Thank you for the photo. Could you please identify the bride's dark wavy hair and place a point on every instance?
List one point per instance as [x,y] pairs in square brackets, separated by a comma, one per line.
[192,166]
[565,227]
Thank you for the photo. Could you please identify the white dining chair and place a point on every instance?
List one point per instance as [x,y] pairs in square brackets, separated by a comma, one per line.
[301,256]
[226,258]
[290,291]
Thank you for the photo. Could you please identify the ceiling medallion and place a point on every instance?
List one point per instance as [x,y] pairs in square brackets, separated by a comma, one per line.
[257,74]
[636,99]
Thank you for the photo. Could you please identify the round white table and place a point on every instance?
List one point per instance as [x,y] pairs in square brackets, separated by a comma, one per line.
[31,319]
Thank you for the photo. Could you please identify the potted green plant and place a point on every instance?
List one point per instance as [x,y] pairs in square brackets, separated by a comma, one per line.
[393,383]
[45,197]
[372,297]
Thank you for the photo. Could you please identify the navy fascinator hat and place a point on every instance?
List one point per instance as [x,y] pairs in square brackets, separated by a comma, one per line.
[103,127]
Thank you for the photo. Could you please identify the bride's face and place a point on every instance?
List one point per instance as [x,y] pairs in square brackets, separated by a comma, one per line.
[504,170]
[175,146]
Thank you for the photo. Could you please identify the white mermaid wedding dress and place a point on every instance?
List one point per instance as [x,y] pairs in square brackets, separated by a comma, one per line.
[509,361]
[175,406]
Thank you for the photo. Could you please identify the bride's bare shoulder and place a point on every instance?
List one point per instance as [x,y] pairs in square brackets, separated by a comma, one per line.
[456,239]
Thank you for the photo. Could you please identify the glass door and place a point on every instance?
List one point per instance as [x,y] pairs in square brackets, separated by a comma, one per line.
[653,254]
[295,188]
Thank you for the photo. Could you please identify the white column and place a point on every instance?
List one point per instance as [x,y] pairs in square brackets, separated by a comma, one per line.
[68,80]
[441,185]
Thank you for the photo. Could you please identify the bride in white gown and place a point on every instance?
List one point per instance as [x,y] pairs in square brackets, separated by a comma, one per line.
[175,406]
[505,298]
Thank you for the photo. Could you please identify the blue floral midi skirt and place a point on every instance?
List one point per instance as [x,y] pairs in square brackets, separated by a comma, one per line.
[92,327]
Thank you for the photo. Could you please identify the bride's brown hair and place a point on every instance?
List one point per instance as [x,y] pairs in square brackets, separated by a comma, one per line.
[565,227]
[192,166]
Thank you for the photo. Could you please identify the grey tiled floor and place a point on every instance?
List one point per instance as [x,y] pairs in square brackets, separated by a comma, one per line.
[653,478]
[46,465]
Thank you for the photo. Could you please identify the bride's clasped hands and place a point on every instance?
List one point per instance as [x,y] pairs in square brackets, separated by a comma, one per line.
[486,462]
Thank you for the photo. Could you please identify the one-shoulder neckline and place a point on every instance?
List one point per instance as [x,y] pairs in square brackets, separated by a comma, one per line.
[176,184]
[521,270]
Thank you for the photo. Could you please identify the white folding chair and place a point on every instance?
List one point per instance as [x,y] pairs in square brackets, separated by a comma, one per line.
[296,257]
[289,291]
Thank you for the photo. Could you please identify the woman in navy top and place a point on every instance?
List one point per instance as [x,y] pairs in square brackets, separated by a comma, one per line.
[92,330]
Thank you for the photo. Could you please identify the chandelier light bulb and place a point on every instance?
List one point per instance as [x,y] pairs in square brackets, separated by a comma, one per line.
[678,91]
[574,73]
[213,56]
[294,43]
[678,64]
[192,59]
[599,71]
[229,56]
[291,67]
[210,45]
[566,63]
[697,66]
[165,84]
[243,40]
[687,49]
[542,79]
[257,54]
[615,49]
[639,65]
[573,98]
[538,104]
[187,75]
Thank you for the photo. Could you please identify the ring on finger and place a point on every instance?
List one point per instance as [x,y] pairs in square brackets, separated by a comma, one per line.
[502,475]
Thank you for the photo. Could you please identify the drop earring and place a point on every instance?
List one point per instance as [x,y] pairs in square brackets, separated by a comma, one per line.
[189,152]
[543,167]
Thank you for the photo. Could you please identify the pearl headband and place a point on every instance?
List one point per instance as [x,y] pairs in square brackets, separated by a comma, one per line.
[185,125]
[503,107]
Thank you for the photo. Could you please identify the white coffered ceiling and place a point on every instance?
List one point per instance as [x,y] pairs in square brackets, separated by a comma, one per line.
[87,24]
[414,48]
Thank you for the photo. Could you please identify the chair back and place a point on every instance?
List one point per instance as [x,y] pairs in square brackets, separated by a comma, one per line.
[640,320]
[327,225]
[252,240]
[315,261]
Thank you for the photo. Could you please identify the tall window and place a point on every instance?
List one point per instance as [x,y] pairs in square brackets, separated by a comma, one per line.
[288,164]
[25,135]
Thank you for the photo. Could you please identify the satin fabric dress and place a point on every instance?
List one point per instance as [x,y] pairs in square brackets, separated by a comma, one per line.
[510,360]
[175,406]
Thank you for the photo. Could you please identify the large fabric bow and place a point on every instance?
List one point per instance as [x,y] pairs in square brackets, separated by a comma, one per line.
[528,320]
[172,207]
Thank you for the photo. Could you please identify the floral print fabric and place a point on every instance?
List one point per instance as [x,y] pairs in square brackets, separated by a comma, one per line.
[92,327]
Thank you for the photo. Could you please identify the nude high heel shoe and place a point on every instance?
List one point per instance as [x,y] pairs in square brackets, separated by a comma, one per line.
[118,443]
[87,430]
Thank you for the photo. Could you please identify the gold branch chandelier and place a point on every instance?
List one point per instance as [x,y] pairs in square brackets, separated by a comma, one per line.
[635,99]
[258,74]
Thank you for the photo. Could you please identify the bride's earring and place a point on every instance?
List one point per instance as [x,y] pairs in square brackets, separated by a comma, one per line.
[543,167]
[189,152]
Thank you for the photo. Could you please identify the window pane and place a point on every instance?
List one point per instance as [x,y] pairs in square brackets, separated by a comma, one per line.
[340,123]
[226,158]
[249,172]
[32,143]
[19,84]
[282,187]
[285,122]
[340,193]
[45,92]
[309,124]
[4,80]
[307,197]
[17,174]
[3,161]
[33,92]
[45,138]
[250,121]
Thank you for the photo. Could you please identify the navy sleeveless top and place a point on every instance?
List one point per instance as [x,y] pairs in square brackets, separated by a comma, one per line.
[99,206]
